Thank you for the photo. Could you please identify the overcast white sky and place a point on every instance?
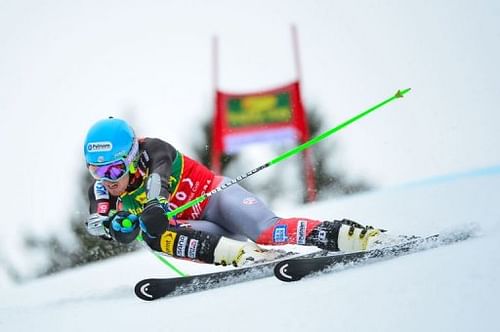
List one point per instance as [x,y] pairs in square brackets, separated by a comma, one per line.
[65,64]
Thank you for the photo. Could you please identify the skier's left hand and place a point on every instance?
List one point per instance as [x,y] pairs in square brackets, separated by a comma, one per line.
[153,218]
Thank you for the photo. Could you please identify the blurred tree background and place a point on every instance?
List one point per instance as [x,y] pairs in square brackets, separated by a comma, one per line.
[84,248]
[330,179]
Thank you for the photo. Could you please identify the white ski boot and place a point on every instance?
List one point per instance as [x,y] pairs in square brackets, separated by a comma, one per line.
[242,253]
[353,236]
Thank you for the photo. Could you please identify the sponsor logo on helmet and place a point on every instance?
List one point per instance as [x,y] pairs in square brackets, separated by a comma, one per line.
[120,154]
[99,146]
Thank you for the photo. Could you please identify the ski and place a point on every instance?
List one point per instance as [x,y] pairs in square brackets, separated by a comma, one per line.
[287,268]
[155,288]
[294,269]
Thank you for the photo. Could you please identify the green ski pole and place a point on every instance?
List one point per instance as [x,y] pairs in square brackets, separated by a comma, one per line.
[294,151]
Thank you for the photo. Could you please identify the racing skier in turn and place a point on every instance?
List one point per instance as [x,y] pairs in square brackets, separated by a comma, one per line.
[138,180]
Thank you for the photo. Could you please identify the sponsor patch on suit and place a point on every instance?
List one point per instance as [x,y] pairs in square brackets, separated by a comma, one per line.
[301,231]
[280,234]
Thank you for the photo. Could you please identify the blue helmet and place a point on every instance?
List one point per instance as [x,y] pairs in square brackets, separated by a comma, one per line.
[109,140]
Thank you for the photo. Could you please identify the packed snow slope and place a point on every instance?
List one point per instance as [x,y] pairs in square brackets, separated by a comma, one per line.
[452,288]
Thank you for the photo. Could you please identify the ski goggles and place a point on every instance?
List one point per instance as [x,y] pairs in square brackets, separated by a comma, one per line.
[116,170]
[112,172]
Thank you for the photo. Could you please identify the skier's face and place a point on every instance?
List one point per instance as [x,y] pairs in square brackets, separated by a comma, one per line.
[117,188]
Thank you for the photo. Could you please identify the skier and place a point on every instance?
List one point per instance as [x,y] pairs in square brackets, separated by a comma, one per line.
[138,180]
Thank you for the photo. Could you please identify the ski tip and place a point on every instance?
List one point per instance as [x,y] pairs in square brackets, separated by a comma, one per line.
[281,272]
[143,292]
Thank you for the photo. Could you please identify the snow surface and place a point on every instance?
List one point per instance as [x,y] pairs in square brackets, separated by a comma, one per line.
[74,62]
[452,288]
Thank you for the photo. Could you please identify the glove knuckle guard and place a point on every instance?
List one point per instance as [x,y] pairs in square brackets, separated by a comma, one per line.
[124,234]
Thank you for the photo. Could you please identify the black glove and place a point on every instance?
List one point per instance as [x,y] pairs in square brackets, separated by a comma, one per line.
[124,227]
[153,219]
